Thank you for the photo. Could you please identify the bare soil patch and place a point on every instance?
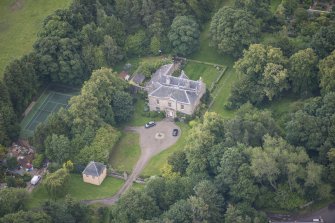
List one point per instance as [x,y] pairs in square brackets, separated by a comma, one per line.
[16,5]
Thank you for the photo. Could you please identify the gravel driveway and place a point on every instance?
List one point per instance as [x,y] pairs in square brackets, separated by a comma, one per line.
[152,141]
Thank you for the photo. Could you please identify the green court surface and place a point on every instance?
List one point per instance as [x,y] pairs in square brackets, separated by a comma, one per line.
[49,102]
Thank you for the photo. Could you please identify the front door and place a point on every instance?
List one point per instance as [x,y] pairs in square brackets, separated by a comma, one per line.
[170,113]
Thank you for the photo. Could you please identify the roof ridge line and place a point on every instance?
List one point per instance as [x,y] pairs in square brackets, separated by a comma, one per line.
[96,169]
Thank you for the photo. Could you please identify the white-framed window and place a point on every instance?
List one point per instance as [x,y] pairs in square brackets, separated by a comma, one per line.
[182,107]
[158,109]
[157,101]
[169,104]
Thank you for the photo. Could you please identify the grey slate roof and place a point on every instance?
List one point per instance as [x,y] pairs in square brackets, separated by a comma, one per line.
[138,78]
[94,169]
[181,89]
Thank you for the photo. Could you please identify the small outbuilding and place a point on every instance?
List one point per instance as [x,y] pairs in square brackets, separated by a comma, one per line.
[124,75]
[94,173]
[138,79]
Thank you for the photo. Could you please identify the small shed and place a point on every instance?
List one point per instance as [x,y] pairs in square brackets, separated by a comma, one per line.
[124,75]
[94,173]
[138,79]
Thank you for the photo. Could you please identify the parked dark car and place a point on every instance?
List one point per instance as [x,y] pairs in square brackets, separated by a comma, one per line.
[175,132]
[150,124]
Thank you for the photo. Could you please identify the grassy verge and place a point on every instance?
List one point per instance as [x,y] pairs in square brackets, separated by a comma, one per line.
[126,153]
[20,21]
[157,162]
[222,93]
[79,190]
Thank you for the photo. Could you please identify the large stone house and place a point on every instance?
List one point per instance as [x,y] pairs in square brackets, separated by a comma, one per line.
[94,173]
[174,94]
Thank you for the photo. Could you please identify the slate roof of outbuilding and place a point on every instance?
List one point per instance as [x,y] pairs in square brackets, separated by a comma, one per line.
[94,169]
[138,78]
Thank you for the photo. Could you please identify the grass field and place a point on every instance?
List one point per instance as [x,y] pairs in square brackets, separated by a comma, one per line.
[79,190]
[126,153]
[20,21]
[208,73]
[157,162]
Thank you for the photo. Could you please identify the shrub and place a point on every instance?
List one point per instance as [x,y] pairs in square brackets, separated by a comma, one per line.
[53,167]
[11,163]
[11,182]
[26,177]
[38,161]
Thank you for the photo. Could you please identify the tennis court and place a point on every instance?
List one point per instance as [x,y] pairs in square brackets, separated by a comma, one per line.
[50,102]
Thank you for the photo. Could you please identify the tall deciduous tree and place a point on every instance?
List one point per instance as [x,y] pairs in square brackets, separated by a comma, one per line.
[122,104]
[232,30]
[133,206]
[8,122]
[12,200]
[58,148]
[105,139]
[184,35]
[263,73]
[303,72]
[327,73]
[56,183]
[275,80]
[113,53]
[22,82]
[27,217]
[323,41]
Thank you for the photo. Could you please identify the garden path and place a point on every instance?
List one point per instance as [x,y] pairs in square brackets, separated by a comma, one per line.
[152,141]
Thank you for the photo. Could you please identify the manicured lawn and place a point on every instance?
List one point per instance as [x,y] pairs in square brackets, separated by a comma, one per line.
[79,190]
[208,73]
[126,153]
[20,21]
[209,54]
[157,162]
[138,118]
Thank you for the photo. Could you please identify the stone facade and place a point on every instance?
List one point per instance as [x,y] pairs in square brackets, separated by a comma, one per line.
[171,94]
[94,173]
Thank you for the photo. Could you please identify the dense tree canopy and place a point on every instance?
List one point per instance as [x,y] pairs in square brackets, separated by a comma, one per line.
[56,183]
[29,217]
[12,200]
[313,125]
[327,73]
[184,35]
[233,30]
[323,41]
[303,72]
[8,126]
[263,75]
